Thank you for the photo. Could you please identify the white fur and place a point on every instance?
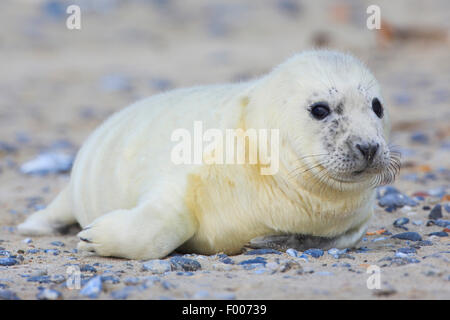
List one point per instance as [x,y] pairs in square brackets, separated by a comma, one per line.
[135,203]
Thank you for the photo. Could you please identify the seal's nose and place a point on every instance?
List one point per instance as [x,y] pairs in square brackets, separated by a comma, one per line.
[368,150]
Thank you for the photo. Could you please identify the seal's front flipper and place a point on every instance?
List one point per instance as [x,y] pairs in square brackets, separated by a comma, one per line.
[148,231]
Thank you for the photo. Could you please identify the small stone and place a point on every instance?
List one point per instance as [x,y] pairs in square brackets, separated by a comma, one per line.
[92,288]
[40,279]
[51,162]
[262,251]
[293,253]
[184,264]
[8,262]
[57,243]
[315,253]
[157,266]
[8,295]
[55,252]
[442,223]
[27,240]
[417,222]
[400,222]
[407,250]
[419,137]
[412,236]
[115,83]
[88,268]
[5,253]
[436,212]
[49,294]
[439,234]
[437,192]
[257,260]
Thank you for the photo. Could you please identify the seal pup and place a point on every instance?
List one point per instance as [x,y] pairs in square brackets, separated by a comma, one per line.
[133,202]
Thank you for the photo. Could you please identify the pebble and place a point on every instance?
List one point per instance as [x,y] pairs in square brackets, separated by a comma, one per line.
[50,162]
[27,240]
[442,223]
[115,83]
[49,294]
[419,137]
[394,201]
[184,264]
[8,295]
[257,260]
[437,192]
[293,253]
[262,251]
[5,253]
[55,252]
[57,244]
[92,288]
[447,207]
[157,266]
[315,253]
[8,262]
[87,268]
[439,234]
[436,212]
[40,279]
[412,236]
[400,222]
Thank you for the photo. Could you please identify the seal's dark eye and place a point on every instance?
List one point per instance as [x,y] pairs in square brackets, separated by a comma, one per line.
[320,110]
[377,107]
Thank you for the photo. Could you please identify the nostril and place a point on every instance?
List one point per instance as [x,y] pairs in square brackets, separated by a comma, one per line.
[368,150]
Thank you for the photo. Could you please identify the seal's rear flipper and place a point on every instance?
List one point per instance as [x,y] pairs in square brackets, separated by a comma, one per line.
[56,218]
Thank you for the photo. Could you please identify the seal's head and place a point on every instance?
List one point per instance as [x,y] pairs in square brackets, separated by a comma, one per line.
[335,120]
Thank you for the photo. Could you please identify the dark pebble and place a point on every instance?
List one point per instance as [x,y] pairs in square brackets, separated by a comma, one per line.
[447,207]
[426,208]
[57,243]
[412,236]
[419,137]
[407,250]
[8,262]
[111,279]
[92,288]
[400,222]
[315,253]
[227,260]
[5,253]
[262,251]
[40,279]
[257,260]
[439,234]
[424,243]
[436,212]
[8,295]
[184,264]
[88,268]
[396,200]
[442,223]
